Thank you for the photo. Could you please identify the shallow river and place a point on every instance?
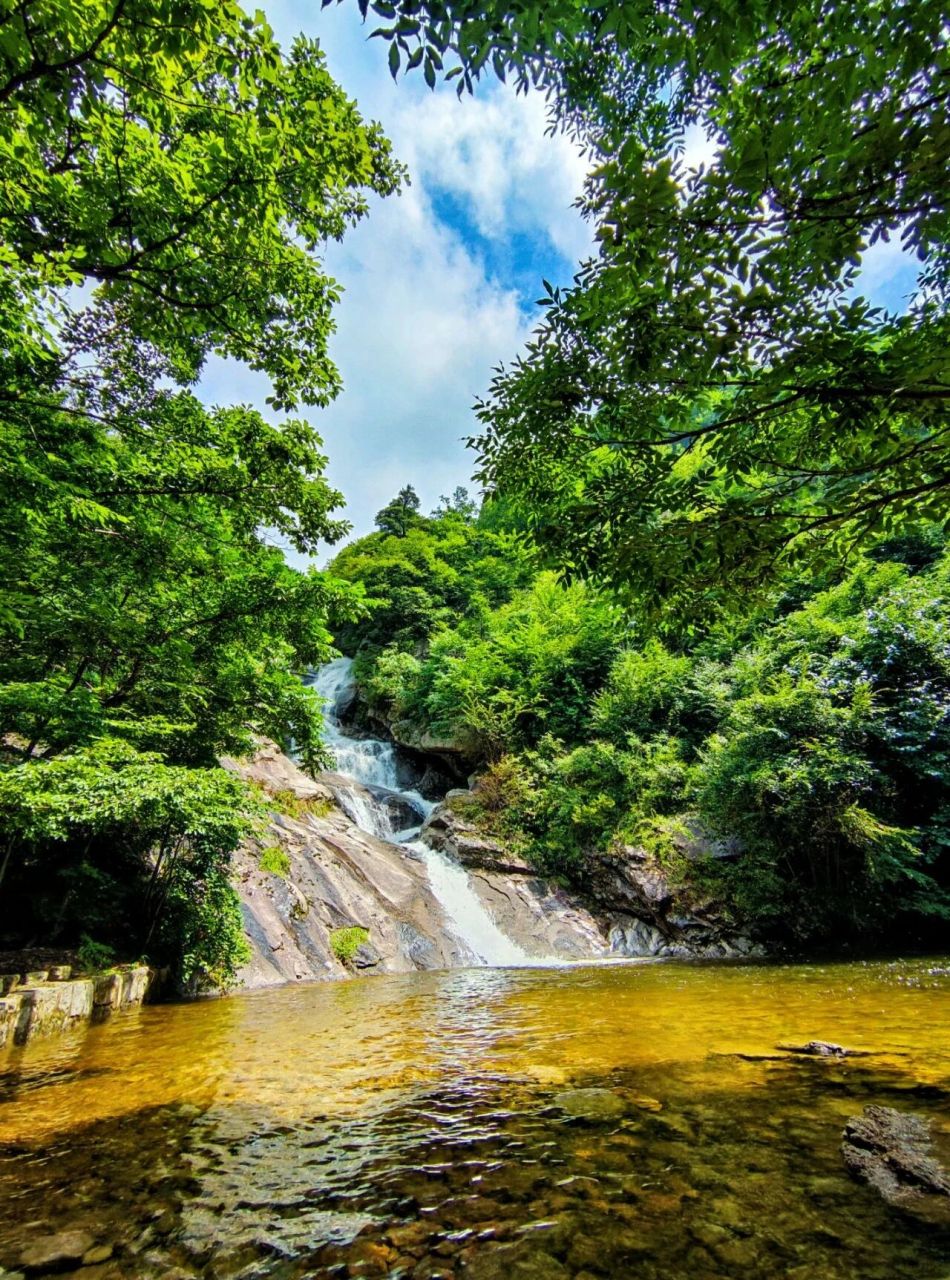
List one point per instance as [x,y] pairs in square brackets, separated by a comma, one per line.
[430,1125]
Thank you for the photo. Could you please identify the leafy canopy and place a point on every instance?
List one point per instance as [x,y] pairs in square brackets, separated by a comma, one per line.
[168,179]
[167,153]
[712,398]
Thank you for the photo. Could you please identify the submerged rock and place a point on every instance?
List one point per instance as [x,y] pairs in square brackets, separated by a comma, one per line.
[591,1104]
[891,1151]
[56,1252]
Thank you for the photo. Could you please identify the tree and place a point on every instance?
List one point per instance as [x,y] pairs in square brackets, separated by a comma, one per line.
[459,504]
[709,400]
[399,516]
[167,153]
[169,157]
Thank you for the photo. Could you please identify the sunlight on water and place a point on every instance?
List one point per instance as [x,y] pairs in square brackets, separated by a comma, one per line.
[429,1124]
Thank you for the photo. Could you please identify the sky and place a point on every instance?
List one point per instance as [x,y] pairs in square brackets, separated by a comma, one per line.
[440,282]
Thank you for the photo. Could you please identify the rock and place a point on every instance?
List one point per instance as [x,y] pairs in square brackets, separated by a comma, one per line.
[56,1252]
[891,1151]
[521,1261]
[591,1104]
[366,956]
[636,938]
[448,831]
[822,1049]
[98,1253]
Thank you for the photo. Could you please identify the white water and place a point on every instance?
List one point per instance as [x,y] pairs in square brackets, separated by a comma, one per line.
[372,763]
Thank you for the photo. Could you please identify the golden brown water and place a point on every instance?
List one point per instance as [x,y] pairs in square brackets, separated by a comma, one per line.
[427,1126]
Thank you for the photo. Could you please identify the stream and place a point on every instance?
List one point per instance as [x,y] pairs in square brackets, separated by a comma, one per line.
[484,1124]
[374,765]
[504,1121]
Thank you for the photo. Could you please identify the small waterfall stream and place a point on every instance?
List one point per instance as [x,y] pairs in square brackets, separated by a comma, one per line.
[379,806]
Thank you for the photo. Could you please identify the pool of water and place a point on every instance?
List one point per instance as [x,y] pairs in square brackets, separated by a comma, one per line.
[585,1122]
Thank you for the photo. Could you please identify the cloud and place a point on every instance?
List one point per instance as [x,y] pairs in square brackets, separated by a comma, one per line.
[430,301]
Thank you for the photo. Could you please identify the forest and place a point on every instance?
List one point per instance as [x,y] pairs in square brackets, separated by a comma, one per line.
[704,580]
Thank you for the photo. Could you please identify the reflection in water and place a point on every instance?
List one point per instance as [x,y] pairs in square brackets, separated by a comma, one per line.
[429,1125]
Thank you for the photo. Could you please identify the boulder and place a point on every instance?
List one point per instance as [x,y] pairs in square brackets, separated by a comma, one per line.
[451,833]
[891,1151]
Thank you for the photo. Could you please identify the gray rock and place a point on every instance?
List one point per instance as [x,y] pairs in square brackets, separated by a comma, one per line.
[366,956]
[823,1049]
[891,1151]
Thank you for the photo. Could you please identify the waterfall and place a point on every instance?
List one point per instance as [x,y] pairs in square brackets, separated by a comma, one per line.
[372,804]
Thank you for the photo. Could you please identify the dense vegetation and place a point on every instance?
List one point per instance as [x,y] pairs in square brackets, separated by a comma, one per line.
[712,400]
[732,466]
[812,736]
[169,159]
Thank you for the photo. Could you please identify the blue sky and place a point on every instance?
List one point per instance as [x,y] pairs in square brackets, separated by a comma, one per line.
[440,282]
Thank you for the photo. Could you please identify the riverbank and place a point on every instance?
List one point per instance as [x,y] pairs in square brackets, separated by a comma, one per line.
[52,1000]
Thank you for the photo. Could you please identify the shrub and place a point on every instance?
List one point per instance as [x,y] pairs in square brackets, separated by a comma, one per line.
[93,957]
[275,860]
[344,943]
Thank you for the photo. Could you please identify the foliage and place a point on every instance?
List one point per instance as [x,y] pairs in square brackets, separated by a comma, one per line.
[114,841]
[146,603]
[169,154]
[275,860]
[170,161]
[425,577]
[519,672]
[712,399]
[344,943]
[92,956]
[812,735]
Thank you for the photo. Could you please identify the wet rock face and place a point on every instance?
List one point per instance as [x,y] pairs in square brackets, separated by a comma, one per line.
[338,876]
[630,904]
[891,1151]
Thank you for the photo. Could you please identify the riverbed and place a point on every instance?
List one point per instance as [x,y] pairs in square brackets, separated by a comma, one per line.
[585,1121]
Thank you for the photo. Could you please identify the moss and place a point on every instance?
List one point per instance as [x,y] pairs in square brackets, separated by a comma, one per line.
[344,943]
[275,860]
[288,802]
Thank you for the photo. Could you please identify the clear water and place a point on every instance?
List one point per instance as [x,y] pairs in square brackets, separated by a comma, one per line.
[426,1125]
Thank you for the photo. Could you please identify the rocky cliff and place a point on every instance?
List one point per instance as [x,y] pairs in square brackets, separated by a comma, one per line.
[329,876]
[629,902]
[315,874]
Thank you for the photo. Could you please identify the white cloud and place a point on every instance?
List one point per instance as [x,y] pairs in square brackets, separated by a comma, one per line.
[423,319]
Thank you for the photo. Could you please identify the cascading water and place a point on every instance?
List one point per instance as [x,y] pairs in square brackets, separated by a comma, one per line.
[377,804]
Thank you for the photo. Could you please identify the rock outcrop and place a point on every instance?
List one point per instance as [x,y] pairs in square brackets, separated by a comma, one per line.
[336,876]
[891,1151]
[48,1001]
[333,875]
[629,903]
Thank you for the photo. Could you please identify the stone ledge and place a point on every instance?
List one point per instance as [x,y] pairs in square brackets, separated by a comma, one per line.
[51,1006]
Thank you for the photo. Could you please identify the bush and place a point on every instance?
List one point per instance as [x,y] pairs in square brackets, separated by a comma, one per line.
[93,957]
[113,840]
[275,860]
[344,943]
